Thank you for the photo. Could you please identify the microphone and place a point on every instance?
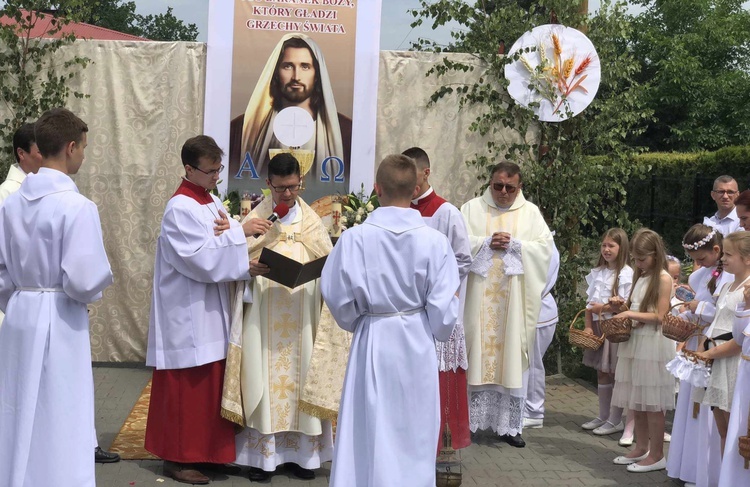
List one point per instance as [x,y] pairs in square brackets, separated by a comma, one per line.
[279,212]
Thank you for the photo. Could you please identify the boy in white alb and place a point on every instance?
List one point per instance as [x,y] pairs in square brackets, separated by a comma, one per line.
[393,282]
[52,264]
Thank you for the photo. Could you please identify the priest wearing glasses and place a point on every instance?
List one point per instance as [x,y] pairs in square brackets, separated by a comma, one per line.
[511,246]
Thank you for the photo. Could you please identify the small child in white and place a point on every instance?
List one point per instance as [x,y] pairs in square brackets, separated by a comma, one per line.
[393,282]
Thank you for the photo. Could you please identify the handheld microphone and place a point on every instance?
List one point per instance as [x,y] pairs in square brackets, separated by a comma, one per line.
[279,212]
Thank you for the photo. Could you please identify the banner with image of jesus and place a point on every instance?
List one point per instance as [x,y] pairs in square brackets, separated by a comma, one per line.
[292,90]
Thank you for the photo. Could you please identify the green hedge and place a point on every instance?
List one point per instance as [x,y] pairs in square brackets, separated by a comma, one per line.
[682,184]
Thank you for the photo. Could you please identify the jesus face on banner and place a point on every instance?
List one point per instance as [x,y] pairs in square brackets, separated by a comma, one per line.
[296,76]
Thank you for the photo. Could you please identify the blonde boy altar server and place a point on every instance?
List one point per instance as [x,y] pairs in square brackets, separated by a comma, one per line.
[512,248]
[393,282]
[52,264]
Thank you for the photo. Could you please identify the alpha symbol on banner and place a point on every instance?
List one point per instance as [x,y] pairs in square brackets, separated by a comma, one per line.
[247,166]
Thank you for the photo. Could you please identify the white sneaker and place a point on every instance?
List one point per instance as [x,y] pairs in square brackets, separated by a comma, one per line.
[688,484]
[593,424]
[532,423]
[626,441]
[609,428]
[667,437]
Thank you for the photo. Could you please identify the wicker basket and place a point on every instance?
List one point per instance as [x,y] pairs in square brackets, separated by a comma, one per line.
[581,339]
[616,330]
[676,328]
[745,445]
[692,354]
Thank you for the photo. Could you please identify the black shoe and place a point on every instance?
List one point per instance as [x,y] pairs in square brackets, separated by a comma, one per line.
[102,456]
[301,473]
[258,475]
[515,441]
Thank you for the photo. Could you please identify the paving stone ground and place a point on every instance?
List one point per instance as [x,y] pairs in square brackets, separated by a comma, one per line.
[559,454]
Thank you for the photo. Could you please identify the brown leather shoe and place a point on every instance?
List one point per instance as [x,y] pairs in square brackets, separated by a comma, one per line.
[183,472]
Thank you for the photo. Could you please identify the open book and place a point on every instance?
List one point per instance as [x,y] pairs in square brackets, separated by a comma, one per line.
[288,271]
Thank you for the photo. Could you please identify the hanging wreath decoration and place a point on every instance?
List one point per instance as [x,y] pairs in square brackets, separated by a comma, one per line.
[556,72]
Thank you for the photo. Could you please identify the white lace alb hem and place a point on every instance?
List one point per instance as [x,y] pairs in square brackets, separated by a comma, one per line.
[491,410]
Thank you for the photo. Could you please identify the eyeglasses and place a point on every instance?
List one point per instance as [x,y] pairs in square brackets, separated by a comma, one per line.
[509,188]
[212,172]
[722,192]
[282,189]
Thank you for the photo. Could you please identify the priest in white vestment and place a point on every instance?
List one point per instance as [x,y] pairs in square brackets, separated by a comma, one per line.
[276,340]
[199,252]
[511,245]
[52,264]
[393,282]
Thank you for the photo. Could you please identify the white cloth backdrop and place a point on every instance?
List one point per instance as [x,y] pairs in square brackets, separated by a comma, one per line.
[146,99]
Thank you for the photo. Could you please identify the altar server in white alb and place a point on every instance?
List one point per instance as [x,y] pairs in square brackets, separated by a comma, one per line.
[393,282]
[533,379]
[52,264]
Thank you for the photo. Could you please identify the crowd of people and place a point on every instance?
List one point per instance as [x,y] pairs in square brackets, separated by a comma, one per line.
[449,313]
[637,375]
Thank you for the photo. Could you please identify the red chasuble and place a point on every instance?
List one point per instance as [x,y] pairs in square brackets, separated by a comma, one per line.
[454,395]
[184,415]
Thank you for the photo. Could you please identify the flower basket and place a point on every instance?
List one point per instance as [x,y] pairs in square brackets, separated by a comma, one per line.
[616,330]
[676,328]
[692,354]
[581,339]
[689,367]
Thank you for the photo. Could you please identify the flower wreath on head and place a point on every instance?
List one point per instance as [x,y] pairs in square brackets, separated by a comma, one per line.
[700,243]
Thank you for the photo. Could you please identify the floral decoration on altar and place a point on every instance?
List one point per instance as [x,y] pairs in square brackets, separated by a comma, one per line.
[556,72]
[357,206]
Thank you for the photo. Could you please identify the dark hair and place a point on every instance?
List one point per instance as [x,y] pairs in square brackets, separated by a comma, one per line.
[419,156]
[275,88]
[509,168]
[282,165]
[397,176]
[698,233]
[743,199]
[23,138]
[57,128]
[200,146]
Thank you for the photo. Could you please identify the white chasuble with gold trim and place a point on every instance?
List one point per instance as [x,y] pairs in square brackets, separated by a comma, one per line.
[501,310]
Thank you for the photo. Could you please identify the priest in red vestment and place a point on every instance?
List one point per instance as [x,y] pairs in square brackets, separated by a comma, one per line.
[445,218]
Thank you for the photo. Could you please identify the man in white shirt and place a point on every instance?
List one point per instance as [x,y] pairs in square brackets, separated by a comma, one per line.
[28,160]
[724,193]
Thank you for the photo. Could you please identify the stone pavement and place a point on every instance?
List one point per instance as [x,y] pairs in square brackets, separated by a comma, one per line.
[560,454]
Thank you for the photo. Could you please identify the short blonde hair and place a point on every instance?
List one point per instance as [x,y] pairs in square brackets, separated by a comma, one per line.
[397,176]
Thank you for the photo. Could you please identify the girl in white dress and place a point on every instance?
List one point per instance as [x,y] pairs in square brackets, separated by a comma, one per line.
[703,244]
[733,471]
[611,277]
[642,382]
[721,384]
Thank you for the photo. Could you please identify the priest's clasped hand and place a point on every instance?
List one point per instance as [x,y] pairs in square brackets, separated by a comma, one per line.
[258,269]
[222,223]
[500,241]
[256,226]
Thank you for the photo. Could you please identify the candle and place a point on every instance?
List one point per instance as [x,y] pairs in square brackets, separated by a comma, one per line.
[336,215]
